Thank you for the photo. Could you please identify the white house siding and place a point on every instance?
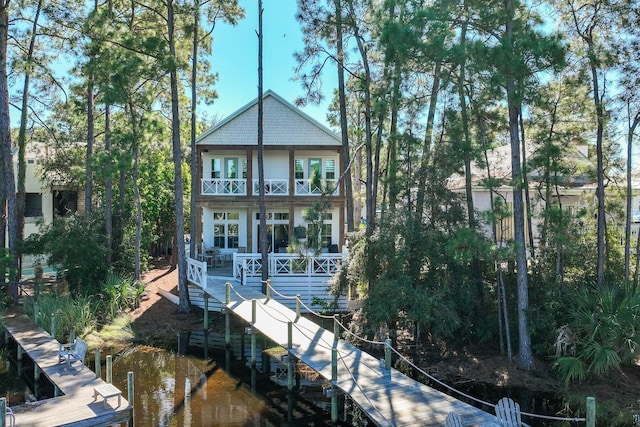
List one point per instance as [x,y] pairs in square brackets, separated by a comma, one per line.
[276,164]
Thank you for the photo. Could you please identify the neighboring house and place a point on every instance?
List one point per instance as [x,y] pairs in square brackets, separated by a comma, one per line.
[44,202]
[576,190]
[301,167]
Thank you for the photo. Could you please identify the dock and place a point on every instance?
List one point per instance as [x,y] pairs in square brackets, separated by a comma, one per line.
[76,405]
[386,396]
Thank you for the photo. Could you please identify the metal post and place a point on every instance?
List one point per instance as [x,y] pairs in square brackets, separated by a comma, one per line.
[130,395]
[109,369]
[3,412]
[387,354]
[53,326]
[297,306]
[253,311]
[591,412]
[227,328]
[98,364]
[228,295]
[254,359]
[334,388]
[205,321]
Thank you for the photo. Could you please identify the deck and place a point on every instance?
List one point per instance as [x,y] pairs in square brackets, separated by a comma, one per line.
[388,397]
[77,406]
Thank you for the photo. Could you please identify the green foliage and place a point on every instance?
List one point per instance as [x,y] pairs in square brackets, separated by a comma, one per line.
[78,313]
[605,322]
[78,245]
[121,293]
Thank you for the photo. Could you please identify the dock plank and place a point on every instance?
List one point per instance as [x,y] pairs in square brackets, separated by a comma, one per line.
[388,397]
[76,407]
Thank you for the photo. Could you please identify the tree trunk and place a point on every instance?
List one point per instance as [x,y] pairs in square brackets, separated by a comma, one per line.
[5,146]
[183,292]
[194,103]
[90,138]
[22,132]
[344,129]
[627,238]
[513,103]
[264,246]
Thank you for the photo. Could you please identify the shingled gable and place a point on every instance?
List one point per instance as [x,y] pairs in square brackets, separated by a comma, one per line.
[283,125]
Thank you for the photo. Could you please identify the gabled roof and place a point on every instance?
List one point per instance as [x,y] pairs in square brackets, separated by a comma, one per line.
[283,124]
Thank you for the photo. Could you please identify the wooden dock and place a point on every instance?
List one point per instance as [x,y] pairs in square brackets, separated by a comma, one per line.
[388,397]
[76,407]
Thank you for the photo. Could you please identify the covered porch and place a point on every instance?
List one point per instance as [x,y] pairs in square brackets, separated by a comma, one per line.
[289,275]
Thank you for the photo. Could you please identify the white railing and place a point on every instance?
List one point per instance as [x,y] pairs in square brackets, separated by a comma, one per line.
[197,272]
[224,187]
[250,265]
[272,187]
[305,187]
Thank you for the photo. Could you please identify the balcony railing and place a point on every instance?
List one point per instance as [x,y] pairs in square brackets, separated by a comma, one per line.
[287,265]
[272,187]
[306,187]
[226,187]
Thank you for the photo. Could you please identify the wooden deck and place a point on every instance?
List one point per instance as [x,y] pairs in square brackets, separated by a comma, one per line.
[389,398]
[76,407]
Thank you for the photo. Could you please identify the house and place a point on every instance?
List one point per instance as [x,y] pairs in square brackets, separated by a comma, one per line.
[43,201]
[576,187]
[302,164]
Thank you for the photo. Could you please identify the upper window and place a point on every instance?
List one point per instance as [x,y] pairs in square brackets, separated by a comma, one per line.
[299,169]
[33,206]
[330,169]
[228,168]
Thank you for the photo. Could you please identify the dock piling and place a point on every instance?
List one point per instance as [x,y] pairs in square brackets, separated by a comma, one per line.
[109,378]
[591,412]
[98,364]
[130,395]
[387,354]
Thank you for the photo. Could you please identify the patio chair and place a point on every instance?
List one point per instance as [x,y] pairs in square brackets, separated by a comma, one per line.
[453,420]
[10,417]
[73,351]
[508,413]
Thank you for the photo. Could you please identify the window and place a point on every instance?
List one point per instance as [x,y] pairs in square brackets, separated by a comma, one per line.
[228,168]
[323,235]
[216,169]
[231,168]
[33,206]
[299,169]
[226,227]
[64,203]
[315,168]
[330,169]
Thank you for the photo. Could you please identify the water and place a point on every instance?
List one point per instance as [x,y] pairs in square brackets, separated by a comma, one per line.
[201,385]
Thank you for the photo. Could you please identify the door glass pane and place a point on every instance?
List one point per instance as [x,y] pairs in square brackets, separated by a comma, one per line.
[299,169]
[315,169]
[215,168]
[232,236]
[218,235]
[281,237]
[231,168]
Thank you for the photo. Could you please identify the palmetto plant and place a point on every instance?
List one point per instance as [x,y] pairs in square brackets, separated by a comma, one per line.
[122,293]
[605,324]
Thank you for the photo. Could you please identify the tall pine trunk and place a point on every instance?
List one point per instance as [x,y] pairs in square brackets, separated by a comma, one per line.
[183,292]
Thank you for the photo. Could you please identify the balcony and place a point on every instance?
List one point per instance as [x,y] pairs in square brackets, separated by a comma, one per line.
[306,187]
[272,187]
[224,187]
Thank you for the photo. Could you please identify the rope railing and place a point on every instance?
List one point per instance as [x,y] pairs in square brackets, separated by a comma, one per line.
[330,346]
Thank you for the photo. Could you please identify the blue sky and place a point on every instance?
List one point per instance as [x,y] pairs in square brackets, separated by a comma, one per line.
[235,59]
